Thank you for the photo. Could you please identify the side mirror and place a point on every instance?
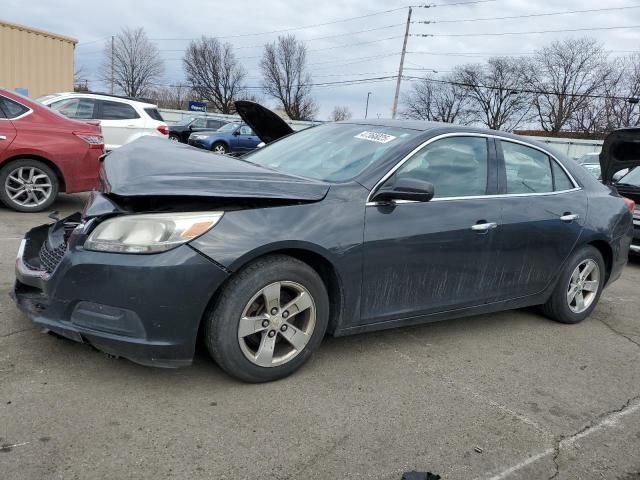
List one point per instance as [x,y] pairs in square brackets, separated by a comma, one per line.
[405,189]
[618,175]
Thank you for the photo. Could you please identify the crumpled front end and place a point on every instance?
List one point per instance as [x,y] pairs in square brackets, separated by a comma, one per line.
[146,308]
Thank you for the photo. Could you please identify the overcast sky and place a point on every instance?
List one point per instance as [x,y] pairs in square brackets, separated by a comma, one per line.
[172,23]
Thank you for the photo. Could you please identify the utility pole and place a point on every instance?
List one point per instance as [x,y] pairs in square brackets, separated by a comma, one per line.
[394,110]
[366,109]
[112,69]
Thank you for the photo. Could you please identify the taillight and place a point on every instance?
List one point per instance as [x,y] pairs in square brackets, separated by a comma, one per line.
[163,129]
[631,205]
[93,139]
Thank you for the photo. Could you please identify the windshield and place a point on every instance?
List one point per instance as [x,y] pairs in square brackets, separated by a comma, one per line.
[331,152]
[229,127]
[632,178]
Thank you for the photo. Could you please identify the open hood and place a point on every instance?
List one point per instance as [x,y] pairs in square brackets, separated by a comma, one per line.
[621,149]
[266,124]
[152,166]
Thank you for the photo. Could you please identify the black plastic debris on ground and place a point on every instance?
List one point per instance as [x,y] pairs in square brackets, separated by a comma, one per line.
[420,476]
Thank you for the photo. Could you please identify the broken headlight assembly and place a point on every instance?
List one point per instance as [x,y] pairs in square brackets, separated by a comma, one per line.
[150,233]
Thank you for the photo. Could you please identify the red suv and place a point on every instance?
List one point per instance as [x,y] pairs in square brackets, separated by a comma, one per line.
[43,153]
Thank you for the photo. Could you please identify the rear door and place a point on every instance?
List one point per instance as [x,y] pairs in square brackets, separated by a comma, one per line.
[8,108]
[543,211]
[120,123]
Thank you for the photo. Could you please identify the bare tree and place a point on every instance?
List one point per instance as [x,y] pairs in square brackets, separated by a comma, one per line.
[437,100]
[563,74]
[283,67]
[136,62]
[174,97]
[80,81]
[340,113]
[214,73]
[494,98]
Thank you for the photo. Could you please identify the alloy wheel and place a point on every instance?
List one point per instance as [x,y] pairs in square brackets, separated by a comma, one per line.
[276,324]
[219,149]
[583,286]
[28,186]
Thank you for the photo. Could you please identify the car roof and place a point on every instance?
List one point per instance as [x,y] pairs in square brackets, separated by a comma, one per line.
[104,96]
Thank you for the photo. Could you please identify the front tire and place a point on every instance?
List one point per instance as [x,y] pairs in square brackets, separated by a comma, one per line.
[219,147]
[28,185]
[268,320]
[579,287]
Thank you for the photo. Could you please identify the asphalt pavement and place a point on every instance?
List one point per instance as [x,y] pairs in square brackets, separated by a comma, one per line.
[511,395]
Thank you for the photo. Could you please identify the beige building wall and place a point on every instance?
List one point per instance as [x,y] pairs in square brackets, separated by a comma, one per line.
[39,61]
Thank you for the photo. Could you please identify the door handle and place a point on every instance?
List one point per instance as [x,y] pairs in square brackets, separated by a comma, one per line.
[484,227]
[569,217]
[3,137]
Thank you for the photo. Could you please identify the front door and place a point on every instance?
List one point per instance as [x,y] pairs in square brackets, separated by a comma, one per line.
[543,212]
[247,140]
[422,258]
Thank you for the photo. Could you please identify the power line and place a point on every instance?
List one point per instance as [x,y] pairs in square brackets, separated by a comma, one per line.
[497,34]
[433,5]
[532,15]
[354,60]
[283,30]
[516,90]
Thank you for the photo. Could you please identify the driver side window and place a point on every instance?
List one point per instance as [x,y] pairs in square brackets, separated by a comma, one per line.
[244,130]
[456,166]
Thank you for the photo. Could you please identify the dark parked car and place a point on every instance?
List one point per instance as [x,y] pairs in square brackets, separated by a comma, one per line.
[43,153]
[629,186]
[181,131]
[231,138]
[342,228]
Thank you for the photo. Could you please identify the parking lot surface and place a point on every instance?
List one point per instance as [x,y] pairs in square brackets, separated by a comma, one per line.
[507,395]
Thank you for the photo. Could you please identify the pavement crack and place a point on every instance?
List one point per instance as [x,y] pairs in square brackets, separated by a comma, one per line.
[18,331]
[607,418]
[618,332]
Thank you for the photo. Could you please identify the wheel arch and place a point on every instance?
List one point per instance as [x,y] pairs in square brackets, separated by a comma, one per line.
[313,256]
[46,161]
[607,255]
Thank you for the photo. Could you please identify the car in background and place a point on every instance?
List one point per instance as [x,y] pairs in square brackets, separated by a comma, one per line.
[591,161]
[230,138]
[629,186]
[43,153]
[122,119]
[180,132]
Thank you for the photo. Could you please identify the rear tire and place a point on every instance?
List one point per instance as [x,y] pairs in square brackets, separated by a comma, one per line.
[219,147]
[577,293]
[174,138]
[28,185]
[257,336]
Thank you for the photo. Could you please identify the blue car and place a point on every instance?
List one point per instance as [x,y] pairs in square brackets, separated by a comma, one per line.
[230,138]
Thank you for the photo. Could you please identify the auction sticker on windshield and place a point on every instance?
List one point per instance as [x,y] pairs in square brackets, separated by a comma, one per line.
[375,137]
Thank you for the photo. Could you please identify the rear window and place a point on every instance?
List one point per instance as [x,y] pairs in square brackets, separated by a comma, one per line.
[11,109]
[117,111]
[154,113]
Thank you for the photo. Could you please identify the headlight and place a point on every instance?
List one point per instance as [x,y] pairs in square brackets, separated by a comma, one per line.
[150,233]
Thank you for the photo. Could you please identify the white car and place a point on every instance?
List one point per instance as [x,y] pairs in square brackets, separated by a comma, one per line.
[122,119]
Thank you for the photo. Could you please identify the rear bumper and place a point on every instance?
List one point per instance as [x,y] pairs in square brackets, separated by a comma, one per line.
[146,308]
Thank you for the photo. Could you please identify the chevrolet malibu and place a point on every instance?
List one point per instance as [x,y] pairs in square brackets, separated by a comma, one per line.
[338,229]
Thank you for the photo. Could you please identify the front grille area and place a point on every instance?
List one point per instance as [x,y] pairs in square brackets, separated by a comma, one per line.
[50,258]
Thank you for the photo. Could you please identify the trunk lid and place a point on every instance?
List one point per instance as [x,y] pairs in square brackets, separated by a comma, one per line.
[152,166]
[266,125]
[621,149]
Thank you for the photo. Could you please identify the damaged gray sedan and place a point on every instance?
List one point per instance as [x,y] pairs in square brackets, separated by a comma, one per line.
[338,229]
